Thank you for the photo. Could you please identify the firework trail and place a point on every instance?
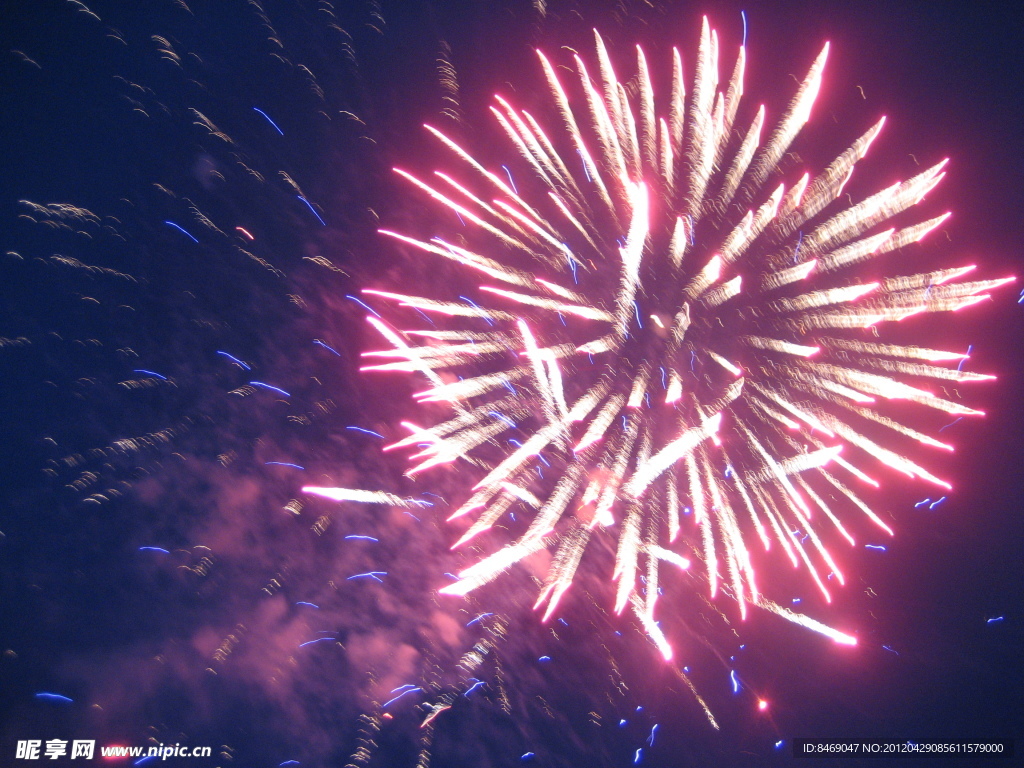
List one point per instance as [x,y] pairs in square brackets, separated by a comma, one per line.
[668,345]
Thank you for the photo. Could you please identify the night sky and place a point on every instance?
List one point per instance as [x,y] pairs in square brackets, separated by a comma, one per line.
[159,565]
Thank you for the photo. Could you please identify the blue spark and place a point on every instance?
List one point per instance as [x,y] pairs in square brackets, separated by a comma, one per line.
[735,682]
[936,503]
[183,231]
[367,431]
[268,386]
[473,687]
[622,723]
[743,15]
[954,421]
[146,759]
[403,687]
[890,650]
[149,373]
[234,359]
[282,464]
[526,756]
[311,605]
[585,169]
[509,174]
[326,346]
[360,536]
[288,762]
[664,385]
[503,418]
[54,697]
[365,306]
[994,619]
[403,693]
[875,546]
[572,264]
[638,756]
[476,306]
[922,502]
[544,658]
[481,616]
[276,128]
[779,743]
[636,311]
[650,739]
[154,549]
[370,574]
[318,640]
[426,317]
[312,209]
[966,357]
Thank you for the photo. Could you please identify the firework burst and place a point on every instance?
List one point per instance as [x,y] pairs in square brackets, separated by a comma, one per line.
[672,345]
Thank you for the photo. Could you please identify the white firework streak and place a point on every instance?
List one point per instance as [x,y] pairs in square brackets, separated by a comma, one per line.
[685,330]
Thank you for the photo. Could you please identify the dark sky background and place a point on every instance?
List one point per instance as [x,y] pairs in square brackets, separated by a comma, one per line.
[198,641]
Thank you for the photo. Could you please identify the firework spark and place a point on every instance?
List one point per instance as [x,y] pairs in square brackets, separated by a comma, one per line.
[669,327]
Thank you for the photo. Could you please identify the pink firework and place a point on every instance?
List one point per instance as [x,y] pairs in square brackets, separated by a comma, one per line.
[671,345]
